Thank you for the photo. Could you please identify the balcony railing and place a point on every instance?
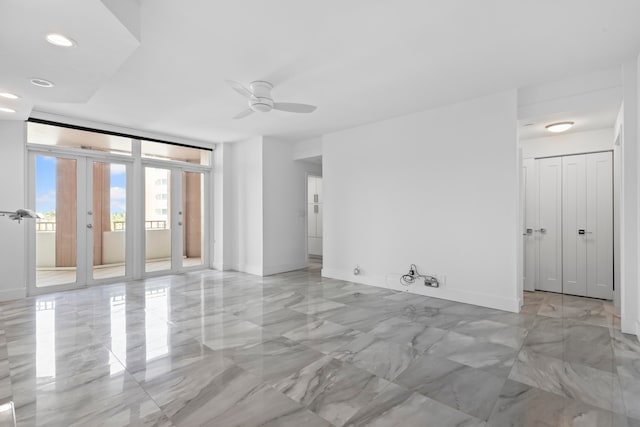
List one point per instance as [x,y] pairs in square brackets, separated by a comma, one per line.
[116,225]
[148,225]
[46,226]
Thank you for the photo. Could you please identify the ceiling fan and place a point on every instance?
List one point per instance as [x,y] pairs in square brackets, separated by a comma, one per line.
[259,98]
[20,214]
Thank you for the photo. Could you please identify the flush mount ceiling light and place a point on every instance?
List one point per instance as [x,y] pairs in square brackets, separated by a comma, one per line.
[7,110]
[8,95]
[60,40]
[559,127]
[41,83]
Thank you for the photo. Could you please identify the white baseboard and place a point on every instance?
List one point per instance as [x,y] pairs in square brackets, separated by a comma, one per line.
[11,294]
[444,292]
[256,270]
[283,268]
[222,267]
[629,325]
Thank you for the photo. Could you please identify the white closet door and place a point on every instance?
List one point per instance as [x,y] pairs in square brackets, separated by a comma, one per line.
[550,223]
[311,189]
[574,220]
[599,230]
[530,244]
[311,221]
[319,189]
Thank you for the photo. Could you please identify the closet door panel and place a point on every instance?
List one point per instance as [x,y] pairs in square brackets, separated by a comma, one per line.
[549,234]
[574,204]
[530,244]
[599,237]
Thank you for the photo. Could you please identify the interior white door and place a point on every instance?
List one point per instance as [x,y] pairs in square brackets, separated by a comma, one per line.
[530,244]
[314,215]
[574,220]
[599,230]
[549,233]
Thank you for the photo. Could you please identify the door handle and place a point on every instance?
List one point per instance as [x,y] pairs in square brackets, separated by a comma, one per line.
[583,231]
[541,230]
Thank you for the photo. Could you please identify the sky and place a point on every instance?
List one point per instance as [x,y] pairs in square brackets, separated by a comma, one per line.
[46,185]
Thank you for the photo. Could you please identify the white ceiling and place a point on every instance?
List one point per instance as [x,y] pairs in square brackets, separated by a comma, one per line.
[358,60]
[591,101]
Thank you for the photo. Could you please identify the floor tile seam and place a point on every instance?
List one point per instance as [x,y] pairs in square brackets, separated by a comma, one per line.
[622,392]
[508,376]
[568,395]
[306,406]
[572,364]
[139,384]
[502,381]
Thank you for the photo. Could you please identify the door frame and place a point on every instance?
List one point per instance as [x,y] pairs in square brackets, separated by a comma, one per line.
[176,168]
[615,218]
[84,202]
[306,210]
[135,247]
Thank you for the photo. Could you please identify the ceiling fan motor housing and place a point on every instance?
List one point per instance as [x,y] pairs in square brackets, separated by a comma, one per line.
[261,101]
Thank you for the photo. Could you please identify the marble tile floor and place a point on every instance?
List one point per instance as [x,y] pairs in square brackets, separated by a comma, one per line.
[228,349]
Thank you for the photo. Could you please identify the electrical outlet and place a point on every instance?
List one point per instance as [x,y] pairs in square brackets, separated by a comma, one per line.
[441,278]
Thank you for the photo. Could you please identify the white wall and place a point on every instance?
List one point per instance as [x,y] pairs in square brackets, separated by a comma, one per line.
[307,148]
[243,230]
[437,188]
[629,202]
[284,191]
[573,143]
[637,134]
[222,208]
[12,196]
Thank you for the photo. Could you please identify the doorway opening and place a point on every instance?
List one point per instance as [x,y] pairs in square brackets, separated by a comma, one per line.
[569,224]
[314,221]
[570,185]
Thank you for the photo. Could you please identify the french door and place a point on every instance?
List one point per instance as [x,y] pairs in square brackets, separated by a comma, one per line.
[175,230]
[84,235]
[107,219]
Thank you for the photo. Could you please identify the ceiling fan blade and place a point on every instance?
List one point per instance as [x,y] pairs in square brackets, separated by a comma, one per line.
[293,107]
[238,87]
[244,113]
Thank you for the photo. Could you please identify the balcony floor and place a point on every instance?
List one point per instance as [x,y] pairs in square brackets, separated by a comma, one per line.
[63,275]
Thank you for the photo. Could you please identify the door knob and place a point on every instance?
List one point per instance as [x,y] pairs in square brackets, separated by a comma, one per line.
[89,226]
[179,223]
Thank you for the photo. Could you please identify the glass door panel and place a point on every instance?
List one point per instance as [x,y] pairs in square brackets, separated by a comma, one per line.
[192,219]
[107,217]
[157,219]
[56,232]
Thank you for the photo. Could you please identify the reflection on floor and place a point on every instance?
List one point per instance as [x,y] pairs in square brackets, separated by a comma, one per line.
[314,264]
[58,276]
[230,349]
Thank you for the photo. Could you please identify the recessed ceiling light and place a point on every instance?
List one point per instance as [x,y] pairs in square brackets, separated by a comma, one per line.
[42,82]
[559,127]
[8,95]
[7,110]
[60,40]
